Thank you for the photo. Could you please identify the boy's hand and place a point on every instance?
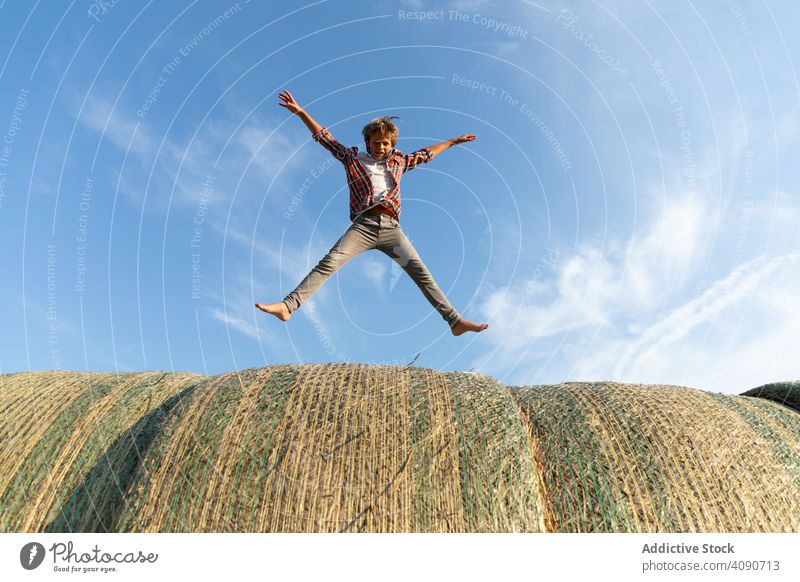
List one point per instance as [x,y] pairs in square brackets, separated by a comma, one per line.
[289,102]
[440,147]
[463,138]
[293,106]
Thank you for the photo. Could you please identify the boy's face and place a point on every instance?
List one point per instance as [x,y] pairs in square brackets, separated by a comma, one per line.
[380,145]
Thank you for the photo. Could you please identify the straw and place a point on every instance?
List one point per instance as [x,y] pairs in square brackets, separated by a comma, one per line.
[375,448]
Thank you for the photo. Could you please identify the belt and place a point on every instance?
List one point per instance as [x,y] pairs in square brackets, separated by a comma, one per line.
[376,210]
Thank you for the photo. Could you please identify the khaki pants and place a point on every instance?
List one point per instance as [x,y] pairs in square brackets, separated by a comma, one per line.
[380,232]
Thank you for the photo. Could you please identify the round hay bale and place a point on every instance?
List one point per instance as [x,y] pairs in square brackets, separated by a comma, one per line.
[335,448]
[786,393]
[350,447]
[70,443]
[643,458]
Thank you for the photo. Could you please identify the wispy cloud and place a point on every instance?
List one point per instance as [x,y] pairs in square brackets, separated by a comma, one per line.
[740,333]
[601,282]
[374,269]
[236,309]
[236,322]
[223,148]
[625,315]
[126,133]
[292,263]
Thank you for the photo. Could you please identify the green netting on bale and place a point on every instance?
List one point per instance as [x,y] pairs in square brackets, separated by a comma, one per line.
[95,503]
[499,483]
[341,448]
[173,482]
[786,393]
[358,448]
[582,492]
[434,463]
[31,474]
[129,517]
[775,428]
[624,457]
[61,445]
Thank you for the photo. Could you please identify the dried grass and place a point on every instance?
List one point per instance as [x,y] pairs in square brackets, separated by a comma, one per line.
[357,448]
[786,393]
[638,458]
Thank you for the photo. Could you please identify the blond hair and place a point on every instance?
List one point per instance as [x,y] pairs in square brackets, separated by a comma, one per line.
[381,125]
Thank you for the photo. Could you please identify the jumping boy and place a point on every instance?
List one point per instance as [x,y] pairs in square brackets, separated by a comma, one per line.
[374,181]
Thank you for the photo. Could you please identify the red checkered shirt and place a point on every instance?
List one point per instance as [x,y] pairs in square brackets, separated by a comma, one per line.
[361,192]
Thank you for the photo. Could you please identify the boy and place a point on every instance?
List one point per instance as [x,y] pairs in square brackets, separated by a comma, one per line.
[374,181]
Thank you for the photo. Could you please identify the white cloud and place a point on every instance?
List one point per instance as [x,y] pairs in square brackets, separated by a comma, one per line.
[739,333]
[270,150]
[292,262]
[225,150]
[374,269]
[748,287]
[237,310]
[704,292]
[38,314]
[236,322]
[641,311]
[598,282]
[126,133]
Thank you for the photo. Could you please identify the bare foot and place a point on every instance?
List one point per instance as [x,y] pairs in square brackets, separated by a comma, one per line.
[278,309]
[462,325]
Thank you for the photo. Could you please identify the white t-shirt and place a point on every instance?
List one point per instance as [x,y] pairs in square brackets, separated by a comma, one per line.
[378,174]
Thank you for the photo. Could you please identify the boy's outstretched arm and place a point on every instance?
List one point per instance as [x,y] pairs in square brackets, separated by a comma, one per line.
[320,134]
[427,153]
[293,106]
[440,147]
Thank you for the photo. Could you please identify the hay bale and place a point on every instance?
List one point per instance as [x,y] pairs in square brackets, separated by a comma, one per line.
[332,448]
[786,393]
[642,458]
[71,442]
[341,447]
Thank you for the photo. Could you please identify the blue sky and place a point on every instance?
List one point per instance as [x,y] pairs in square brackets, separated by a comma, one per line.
[628,212]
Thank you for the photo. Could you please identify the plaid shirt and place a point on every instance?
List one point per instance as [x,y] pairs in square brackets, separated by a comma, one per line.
[361,192]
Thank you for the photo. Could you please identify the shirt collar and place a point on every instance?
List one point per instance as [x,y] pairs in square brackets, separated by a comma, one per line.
[389,158]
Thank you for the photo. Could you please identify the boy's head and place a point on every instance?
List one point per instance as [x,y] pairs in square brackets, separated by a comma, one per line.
[380,136]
